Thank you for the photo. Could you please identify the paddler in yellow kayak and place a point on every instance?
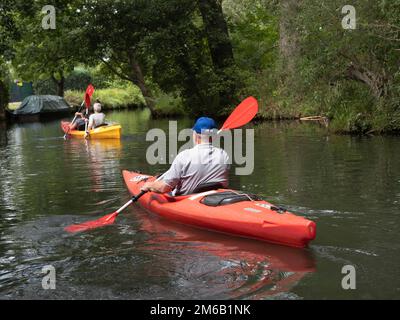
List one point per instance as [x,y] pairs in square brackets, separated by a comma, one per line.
[194,169]
[95,120]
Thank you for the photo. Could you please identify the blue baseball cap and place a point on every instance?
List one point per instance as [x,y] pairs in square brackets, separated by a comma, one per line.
[204,124]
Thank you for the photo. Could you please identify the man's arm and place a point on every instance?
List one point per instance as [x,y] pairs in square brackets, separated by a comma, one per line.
[169,180]
[90,126]
[158,186]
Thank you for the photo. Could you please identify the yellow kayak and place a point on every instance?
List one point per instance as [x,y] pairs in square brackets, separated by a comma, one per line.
[106,132]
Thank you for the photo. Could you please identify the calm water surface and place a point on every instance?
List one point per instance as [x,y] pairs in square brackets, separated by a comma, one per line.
[349,185]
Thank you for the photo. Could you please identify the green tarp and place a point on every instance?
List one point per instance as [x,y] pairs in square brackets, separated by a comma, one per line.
[42,104]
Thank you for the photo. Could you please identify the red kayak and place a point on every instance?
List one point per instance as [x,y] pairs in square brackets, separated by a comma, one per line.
[227,211]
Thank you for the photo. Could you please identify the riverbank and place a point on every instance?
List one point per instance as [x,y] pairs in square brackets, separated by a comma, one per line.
[337,120]
[353,115]
[128,98]
[110,98]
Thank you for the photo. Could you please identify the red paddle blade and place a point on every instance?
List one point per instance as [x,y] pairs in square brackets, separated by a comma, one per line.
[90,90]
[88,95]
[243,114]
[104,221]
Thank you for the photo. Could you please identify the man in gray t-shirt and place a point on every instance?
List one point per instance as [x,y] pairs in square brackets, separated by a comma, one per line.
[97,118]
[204,163]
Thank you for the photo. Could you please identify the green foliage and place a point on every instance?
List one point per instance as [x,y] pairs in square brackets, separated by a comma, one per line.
[129,96]
[111,98]
[9,32]
[347,74]
[169,105]
[102,78]
[43,54]
[42,87]
[161,44]
[184,63]
[4,86]
[254,33]
[178,55]
[78,79]
[8,35]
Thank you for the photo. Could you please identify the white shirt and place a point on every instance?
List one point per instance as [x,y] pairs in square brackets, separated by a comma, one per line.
[203,163]
[96,119]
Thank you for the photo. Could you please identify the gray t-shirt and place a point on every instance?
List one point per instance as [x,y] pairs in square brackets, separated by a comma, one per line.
[96,119]
[203,163]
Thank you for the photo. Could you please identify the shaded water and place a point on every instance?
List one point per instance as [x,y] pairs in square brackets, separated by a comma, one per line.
[349,185]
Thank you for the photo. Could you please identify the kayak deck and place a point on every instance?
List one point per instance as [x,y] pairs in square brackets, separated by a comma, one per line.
[255,219]
[105,132]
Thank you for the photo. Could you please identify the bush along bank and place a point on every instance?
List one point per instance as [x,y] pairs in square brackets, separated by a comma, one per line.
[345,108]
[128,98]
[110,98]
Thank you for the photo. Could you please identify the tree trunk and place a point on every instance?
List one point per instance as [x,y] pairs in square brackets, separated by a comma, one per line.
[60,84]
[3,99]
[221,51]
[375,82]
[138,79]
[288,37]
[217,33]
[60,87]
[135,75]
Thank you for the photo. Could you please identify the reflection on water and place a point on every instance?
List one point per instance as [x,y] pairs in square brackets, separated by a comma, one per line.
[95,159]
[349,186]
[146,257]
[230,267]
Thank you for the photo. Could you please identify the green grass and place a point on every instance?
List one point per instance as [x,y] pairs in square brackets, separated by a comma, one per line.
[168,106]
[110,98]
[129,97]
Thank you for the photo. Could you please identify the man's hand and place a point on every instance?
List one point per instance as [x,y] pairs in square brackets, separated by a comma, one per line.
[158,186]
[147,187]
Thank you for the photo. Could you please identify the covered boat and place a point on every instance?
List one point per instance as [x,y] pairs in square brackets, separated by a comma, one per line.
[41,106]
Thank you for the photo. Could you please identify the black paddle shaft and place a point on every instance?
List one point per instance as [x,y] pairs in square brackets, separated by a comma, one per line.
[137,197]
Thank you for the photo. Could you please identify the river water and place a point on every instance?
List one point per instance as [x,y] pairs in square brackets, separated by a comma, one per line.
[350,186]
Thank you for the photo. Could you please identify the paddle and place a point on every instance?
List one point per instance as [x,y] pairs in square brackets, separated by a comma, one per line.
[88,94]
[104,221]
[242,115]
[88,103]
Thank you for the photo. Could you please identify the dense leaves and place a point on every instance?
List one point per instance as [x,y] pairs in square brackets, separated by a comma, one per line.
[47,53]
[294,55]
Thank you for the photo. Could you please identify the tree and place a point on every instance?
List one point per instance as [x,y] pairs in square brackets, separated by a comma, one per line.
[164,44]
[288,35]
[8,34]
[349,74]
[181,59]
[47,53]
[4,95]
[221,51]
[217,33]
[115,33]
[254,32]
